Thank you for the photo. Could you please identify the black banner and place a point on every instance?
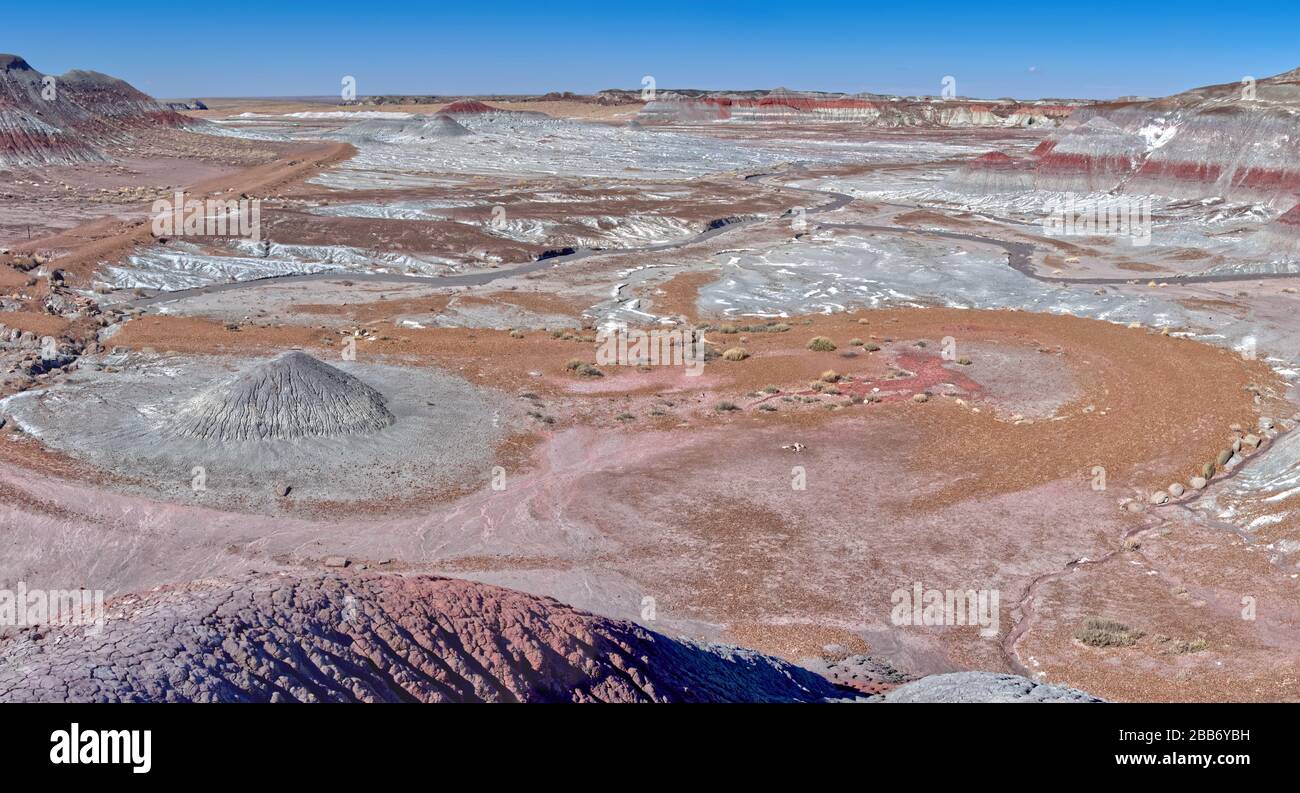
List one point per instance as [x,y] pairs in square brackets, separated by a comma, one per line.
[216,743]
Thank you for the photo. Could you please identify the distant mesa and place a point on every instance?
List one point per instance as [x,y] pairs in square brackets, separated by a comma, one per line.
[786,106]
[291,396]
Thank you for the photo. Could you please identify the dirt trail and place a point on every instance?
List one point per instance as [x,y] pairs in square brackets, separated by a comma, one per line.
[110,238]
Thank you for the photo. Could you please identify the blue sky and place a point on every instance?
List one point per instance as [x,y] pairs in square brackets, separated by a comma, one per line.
[1090,49]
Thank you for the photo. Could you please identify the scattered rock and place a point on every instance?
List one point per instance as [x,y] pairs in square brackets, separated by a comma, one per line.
[1159,497]
[1252,441]
[1176,490]
[1198,483]
[336,561]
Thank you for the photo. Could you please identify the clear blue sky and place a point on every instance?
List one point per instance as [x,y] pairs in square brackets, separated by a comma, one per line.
[1091,48]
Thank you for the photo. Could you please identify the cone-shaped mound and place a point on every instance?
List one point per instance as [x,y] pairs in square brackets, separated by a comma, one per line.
[291,396]
[444,127]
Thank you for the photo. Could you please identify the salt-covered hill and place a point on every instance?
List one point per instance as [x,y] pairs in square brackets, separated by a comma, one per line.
[69,118]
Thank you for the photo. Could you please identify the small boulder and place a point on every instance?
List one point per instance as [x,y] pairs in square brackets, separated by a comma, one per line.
[1198,483]
[336,561]
[1223,458]
[1251,441]
[1159,497]
[1176,490]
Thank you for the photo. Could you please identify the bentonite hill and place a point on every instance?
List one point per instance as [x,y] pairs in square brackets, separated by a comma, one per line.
[291,396]
[967,386]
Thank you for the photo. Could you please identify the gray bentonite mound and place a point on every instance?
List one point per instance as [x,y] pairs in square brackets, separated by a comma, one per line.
[291,396]
[985,687]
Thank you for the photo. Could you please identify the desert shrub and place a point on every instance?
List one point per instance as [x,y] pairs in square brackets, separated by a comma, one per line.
[1184,646]
[1099,632]
[830,376]
[726,407]
[821,344]
[871,347]
[588,370]
[735,354]
[855,342]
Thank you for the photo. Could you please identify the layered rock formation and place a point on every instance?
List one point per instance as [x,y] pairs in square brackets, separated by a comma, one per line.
[467,107]
[394,638]
[378,638]
[1238,141]
[881,111]
[69,118]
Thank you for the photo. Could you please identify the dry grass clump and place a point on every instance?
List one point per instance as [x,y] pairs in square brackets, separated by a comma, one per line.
[821,344]
[726,407]
[831,376]
[1099,632]
[735,354]
[582,368]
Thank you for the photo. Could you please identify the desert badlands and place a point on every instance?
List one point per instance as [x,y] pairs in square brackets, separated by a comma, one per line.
[659,395]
